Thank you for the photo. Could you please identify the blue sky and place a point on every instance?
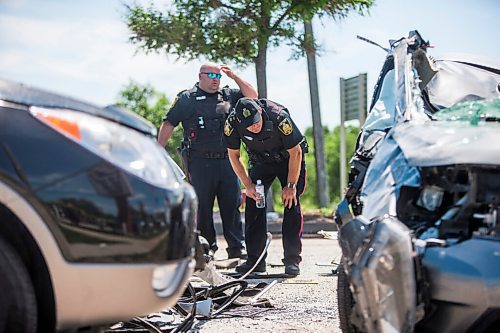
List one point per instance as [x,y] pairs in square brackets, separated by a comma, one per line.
[81,48]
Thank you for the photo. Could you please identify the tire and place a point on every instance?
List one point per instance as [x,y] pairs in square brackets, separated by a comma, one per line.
[345,301]
[18,307]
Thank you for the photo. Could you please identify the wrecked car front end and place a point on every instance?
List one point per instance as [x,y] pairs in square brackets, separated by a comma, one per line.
[381,275]
[423,252]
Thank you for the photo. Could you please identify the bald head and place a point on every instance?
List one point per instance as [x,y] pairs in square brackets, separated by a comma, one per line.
[209,66]
[207,83]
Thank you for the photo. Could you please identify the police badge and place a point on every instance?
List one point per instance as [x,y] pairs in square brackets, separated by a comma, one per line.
[228,129]
[285,127]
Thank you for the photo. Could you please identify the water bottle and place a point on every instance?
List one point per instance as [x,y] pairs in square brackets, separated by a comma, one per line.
[259,188]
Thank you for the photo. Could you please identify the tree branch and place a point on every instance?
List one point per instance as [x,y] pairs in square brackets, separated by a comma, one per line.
[285,14]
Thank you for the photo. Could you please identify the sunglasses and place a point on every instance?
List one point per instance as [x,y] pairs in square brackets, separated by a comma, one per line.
[213,75]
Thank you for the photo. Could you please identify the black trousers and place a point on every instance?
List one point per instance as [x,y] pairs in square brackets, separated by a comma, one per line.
[215,178]
[255,218]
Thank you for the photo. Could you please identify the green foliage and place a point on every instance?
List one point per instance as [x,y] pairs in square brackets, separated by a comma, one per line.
[152,105]
[145,101]
[332,157]
[230,30]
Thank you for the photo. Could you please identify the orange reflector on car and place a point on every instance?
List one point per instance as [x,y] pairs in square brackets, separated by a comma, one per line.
[67,127]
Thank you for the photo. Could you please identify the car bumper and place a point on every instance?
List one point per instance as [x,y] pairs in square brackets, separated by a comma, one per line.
[465,283]
[97,298]
[100,293]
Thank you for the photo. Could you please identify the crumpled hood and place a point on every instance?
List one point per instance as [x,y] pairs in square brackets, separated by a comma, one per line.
[436,143]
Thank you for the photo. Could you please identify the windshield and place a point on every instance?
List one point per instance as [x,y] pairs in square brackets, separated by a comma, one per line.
[471,111]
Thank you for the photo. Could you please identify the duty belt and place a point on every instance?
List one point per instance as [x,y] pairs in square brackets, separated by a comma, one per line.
[265,157]
[209,154]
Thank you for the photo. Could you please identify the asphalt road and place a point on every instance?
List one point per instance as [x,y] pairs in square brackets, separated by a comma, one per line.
[306,303]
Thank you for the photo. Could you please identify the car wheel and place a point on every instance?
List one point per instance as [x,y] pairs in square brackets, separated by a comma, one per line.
[345,301]
[18,309]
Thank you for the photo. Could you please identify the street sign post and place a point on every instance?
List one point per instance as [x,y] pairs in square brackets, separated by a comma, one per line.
[354,96]
[353,101]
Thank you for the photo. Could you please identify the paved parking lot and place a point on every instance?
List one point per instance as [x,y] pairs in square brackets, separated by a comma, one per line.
[306,303]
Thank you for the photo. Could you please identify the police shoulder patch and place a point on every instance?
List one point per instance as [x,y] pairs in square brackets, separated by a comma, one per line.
[175,101]
[285,127]
[228,129]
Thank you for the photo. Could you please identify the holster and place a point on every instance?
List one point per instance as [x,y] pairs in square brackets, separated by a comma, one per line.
[304,145]
[184,151]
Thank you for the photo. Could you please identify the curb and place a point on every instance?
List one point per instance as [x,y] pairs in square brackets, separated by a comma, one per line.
[309,229]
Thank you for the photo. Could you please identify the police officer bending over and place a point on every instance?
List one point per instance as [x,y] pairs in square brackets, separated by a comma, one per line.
[275,148]
[202,110]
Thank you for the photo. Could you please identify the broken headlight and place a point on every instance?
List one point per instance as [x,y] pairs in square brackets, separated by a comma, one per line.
[383,278]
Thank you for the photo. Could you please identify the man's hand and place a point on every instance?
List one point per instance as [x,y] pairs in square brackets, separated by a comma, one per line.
[241,172]
[251,192]
[246,88]
[228,71]
[288,197]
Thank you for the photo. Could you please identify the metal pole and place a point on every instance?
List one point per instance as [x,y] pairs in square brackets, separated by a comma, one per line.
[362,99]
[343,182]
[322,192]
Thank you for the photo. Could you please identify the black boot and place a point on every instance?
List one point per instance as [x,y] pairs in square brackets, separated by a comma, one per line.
[292,269]
[246,266]
[236,253]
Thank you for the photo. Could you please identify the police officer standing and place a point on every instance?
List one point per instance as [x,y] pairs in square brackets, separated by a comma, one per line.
[202,110]
[275,148]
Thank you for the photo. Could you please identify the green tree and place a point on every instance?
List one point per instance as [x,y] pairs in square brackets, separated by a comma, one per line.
[232,30]
[332,149]
[151,104]
[144,100]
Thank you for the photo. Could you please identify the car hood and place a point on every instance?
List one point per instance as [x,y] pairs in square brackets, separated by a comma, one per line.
[463,78]
[22,94]
[436,143]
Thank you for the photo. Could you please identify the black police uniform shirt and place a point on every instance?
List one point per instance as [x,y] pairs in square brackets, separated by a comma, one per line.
[202,116]
[273,139]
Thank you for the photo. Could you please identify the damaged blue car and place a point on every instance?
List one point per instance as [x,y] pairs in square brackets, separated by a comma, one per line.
[419,224]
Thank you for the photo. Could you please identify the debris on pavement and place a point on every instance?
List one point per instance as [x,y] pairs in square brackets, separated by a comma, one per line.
[328,234]
[300,281]
[208,294]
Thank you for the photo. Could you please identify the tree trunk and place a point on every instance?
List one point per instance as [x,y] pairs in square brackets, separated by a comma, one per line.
[260,72]
[260,69]
[322,192]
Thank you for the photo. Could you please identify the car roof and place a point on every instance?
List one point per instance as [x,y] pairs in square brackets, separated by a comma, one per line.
[20,93]
[477,60]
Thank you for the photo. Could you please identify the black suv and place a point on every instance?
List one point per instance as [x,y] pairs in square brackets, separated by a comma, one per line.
[97,224]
